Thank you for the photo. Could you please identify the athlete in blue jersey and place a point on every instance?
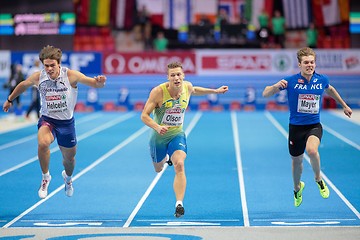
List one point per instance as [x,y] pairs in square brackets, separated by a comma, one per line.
[168,102]
[305,91]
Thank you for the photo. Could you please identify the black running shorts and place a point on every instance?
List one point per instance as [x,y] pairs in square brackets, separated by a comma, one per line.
[298,135]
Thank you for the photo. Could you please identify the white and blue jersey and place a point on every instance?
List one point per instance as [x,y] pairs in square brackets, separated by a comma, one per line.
[305,98]
[58,97]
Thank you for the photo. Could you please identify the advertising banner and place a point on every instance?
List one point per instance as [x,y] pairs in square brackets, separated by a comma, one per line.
[85,62]
[147,62]
[199,62]
[343,61]
[274,62]
[245,62]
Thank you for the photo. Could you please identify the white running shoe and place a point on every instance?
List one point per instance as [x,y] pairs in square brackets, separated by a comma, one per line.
[69,190]
[43,191]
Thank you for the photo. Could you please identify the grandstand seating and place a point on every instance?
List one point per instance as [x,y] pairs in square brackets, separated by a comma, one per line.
[94,39]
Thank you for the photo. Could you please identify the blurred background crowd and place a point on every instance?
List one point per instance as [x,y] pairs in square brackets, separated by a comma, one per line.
[245,44]
[145,25]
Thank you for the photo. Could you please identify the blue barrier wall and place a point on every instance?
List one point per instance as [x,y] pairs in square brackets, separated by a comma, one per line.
[139,87]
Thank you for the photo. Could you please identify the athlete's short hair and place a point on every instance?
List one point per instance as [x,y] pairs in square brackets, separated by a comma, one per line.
[174,65]
[306,51]
[50,52]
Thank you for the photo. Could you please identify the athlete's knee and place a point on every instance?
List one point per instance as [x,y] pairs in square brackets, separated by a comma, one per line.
[69,160]
[43,144]
[312,152]
[179,166]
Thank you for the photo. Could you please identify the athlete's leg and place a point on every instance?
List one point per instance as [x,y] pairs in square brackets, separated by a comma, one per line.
[178,159]
[160,165]
[45,138]
[68,159]
[312,146]
[297,168]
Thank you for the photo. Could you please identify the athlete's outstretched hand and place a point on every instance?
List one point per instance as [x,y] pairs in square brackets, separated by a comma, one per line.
[348,111]
[100,80]
[281,84]
[222,89]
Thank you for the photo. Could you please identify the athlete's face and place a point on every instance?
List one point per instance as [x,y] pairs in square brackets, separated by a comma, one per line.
[307,65]
[52,68]
[176,77]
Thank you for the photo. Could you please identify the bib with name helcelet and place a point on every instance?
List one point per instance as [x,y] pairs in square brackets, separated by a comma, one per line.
[308,103]
[173,116]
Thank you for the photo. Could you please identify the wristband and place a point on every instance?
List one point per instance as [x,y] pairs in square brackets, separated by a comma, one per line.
[9,100]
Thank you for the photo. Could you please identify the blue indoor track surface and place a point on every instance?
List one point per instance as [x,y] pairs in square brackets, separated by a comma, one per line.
[238,175]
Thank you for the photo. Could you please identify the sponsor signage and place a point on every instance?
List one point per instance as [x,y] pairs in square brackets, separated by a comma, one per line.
[338,61]
[147,63]
[244,62]
[85,62]
[200,62]
[273,62]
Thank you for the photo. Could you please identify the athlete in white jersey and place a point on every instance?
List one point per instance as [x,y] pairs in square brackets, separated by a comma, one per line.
[58,94]
[58,98]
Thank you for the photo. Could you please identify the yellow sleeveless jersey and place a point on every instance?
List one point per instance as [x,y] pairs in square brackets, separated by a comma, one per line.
[172,111]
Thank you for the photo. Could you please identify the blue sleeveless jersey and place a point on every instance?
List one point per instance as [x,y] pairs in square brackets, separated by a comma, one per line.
[305,98]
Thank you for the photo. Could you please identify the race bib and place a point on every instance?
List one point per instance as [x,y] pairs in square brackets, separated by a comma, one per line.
[173,116]
[308,103]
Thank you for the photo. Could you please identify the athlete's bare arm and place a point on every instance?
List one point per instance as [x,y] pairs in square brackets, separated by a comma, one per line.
[95,82]
[331,91]
[154,100]
[32,80]
[273,89]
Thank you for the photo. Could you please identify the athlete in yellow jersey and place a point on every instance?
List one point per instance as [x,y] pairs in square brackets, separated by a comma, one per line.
[168,103]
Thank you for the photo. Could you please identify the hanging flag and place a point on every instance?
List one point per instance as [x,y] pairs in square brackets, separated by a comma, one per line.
[103,13]
[257,7]
[204,7]
[297,13]
[331,13]
[326,12]
[152,6]
[119,15]
[253,8]
[344,7]
[93,12]
[123,13]
[234,8]
[177,13]
[82,12]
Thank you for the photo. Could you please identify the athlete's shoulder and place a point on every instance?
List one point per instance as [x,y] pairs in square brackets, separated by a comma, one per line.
[158,89]
[187,83]
[65,70]
[161,87]
[318,75]
[189,86]
[292,77]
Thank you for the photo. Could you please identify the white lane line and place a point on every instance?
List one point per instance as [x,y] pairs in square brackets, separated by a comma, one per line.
[32,136]
[158,176]
[327,180]
[81,137]
[341,137]
[91,166]
[240,169]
